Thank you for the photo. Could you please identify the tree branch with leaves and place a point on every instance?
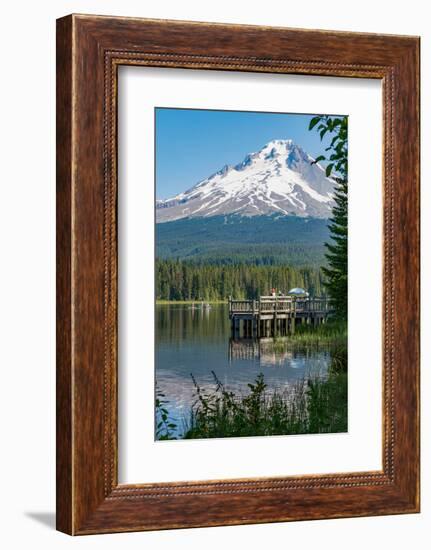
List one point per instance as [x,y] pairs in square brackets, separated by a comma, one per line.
[335,272]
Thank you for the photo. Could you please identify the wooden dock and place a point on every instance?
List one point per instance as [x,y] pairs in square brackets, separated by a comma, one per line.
[271,316]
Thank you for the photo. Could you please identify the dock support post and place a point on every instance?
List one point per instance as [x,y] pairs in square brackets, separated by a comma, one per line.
[236,321]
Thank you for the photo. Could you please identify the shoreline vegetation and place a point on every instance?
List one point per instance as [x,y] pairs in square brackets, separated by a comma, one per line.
[332,333]
[310,406]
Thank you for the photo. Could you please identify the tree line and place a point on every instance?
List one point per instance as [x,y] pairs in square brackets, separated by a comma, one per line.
[181,280]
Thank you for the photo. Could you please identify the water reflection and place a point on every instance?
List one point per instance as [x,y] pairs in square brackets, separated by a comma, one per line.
[269,354]
[197,340]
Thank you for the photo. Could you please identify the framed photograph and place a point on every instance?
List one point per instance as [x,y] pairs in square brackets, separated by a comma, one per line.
[237,274]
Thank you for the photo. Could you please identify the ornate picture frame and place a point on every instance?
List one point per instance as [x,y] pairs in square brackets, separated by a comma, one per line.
[89,51]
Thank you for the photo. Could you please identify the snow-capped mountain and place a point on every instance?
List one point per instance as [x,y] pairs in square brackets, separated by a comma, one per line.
[277,179]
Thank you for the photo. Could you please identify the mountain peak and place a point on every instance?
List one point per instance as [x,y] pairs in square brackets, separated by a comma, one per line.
[280,143]
[279,146]
[279,178]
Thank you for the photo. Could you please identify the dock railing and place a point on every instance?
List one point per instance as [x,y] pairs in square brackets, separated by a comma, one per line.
[267,305]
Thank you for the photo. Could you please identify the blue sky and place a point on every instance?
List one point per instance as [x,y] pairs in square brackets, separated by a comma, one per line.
[192,144]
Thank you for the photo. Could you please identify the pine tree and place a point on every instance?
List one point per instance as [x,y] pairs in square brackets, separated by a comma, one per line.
[337,269]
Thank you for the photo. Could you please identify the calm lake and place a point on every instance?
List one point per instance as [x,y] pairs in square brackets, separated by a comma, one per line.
[195,340]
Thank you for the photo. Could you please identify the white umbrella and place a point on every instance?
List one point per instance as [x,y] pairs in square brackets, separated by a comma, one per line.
[298,292]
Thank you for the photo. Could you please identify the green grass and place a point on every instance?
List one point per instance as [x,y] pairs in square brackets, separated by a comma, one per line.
[311,406]
[332,333]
